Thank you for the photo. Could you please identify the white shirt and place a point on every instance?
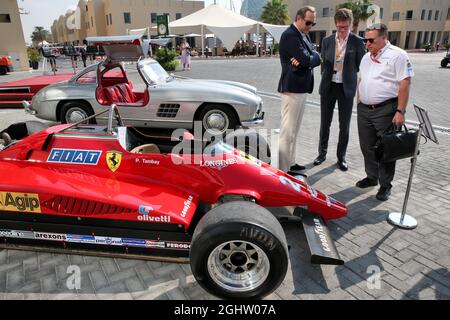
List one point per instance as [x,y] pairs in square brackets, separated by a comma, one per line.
[380,76]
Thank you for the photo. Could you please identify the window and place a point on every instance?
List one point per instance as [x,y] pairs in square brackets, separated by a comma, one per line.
[92,22]
[88,78]
[110,19]
[5,18]
[409,15]
[381,13]
[430,14]
[87,8]
[114,73]
[448,14]
[326,12]
[424,12]
[178,16]
[396,16]
[153,17]
[107,20]
[127,17]
[436,15]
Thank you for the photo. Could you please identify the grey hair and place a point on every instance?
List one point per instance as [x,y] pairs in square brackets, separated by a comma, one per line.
[380,27]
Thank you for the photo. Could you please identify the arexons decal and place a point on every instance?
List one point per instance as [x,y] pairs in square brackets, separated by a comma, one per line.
[19,202]
[74,156]
[50,236]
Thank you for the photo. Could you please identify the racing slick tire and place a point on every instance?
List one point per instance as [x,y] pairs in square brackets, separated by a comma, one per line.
[75,111]
[239,251]
[217,119]
[444,63]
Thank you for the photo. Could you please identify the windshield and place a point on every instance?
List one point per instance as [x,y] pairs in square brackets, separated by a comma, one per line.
[154,73]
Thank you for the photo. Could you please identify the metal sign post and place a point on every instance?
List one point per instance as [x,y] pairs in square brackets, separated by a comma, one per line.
[402,220]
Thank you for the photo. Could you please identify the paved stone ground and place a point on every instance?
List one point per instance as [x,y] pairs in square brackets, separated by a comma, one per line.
[412,264]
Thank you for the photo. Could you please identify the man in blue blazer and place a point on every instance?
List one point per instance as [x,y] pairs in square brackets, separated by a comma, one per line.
[342,53]
[298,60]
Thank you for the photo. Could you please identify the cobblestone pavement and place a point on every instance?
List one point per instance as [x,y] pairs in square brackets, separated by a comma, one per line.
[412,264]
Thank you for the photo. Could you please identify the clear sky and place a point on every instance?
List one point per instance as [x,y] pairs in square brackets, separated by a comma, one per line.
[44,12]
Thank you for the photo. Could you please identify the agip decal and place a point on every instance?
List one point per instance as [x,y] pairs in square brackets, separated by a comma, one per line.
[19,202]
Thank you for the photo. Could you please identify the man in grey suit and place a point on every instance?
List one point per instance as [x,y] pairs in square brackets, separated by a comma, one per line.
[341,55]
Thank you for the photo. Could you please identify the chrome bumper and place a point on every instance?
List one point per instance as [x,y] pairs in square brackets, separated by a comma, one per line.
[257,121]
[28,108]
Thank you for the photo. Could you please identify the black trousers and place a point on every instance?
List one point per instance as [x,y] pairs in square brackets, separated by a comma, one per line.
[345,107]
[371,124]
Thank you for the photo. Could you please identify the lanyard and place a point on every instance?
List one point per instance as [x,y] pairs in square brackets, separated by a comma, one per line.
[340,46]
[340,52]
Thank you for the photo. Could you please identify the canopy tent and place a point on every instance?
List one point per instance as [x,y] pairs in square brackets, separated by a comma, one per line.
[225,24]
[139,32]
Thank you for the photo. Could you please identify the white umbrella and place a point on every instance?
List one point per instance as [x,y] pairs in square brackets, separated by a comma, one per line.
[192,35]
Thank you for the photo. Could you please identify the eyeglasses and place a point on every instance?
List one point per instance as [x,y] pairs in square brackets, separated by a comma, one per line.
[310,23]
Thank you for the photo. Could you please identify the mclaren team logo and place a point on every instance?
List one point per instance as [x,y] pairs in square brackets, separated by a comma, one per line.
[20,202]
[113,159]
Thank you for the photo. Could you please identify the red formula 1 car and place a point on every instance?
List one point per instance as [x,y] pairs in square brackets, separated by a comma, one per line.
[115,189]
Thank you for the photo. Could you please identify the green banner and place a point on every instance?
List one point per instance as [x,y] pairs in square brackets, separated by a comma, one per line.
[163,25]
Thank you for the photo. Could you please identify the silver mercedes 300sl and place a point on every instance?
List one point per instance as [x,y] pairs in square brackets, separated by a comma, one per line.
[164,101]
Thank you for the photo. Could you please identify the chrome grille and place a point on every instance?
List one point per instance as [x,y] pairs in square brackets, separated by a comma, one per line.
[168,110]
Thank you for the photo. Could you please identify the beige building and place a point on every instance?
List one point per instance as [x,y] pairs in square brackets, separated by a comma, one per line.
[11,33]
[411,23]
[117,17]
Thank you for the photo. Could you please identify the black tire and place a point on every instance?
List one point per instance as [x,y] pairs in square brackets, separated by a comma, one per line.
[444,63]
[82,109]
[246,225]
[3,70]
[226,112]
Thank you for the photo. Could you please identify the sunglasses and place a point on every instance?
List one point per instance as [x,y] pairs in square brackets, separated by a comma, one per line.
[310,23]
[369,40]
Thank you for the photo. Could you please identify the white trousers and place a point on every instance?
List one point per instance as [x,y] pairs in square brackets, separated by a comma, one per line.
[292,110]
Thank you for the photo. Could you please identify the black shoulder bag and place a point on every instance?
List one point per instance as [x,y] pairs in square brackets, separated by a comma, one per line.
[396,144]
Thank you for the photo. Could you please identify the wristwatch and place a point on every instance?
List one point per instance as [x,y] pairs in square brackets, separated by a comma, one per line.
[401,111]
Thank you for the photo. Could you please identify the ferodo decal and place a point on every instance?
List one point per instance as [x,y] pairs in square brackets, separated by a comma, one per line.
[20,202]
[74,156]
[178,245]
[113,159]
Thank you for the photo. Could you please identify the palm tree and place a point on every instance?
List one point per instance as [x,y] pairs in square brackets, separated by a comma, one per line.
[275,12]
[360,9]
[40,34]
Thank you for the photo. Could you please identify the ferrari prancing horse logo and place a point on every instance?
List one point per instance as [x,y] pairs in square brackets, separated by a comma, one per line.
[113,159]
